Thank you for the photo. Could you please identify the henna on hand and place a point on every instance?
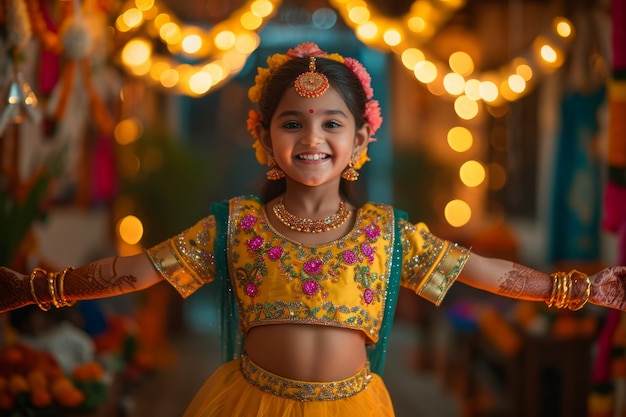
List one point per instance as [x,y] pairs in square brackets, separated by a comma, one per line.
[522,282]
[14,290]
[96,280]
[608,288]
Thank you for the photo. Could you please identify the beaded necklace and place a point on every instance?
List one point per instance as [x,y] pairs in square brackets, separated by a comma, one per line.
[300,224]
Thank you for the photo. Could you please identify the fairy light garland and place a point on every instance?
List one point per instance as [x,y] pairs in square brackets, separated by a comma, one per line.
[407,35]
[217,53]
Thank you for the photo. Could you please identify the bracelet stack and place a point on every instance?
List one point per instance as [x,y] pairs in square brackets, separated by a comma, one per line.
[562,284]
[56,288]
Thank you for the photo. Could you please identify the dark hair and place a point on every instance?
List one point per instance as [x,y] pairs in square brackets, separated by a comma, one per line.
[340,77]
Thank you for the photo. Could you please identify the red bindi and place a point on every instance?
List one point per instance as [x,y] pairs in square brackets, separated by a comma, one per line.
[311,111]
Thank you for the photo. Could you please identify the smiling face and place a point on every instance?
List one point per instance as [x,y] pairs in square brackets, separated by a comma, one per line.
[313,139]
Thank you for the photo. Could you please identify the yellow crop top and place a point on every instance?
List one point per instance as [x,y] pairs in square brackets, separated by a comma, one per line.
[342,283]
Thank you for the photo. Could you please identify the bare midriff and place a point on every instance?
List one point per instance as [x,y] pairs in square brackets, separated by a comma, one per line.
[307,352]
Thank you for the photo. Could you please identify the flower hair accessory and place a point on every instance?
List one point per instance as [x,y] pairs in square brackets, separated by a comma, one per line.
[315,88]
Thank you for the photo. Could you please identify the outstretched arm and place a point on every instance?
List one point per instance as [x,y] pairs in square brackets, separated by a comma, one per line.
[606,288]
[104,278]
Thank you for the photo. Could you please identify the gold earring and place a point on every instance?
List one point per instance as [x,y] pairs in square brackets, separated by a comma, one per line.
[275,173]
[350,174]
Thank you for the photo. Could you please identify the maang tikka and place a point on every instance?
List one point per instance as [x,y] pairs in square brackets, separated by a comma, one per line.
[311,84]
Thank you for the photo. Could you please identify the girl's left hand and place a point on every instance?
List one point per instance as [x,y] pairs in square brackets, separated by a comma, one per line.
[608,288]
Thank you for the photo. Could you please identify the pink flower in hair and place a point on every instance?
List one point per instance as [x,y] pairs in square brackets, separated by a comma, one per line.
[361,73]
[372,115]
[305,49]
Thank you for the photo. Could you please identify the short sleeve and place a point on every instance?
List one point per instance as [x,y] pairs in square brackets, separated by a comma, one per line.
[430,265]
[187,260]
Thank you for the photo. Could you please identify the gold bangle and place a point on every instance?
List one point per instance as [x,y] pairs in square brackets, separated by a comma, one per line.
[52,277]
[44,307]
[556,288]
[575,275]
[61,285]
[566,291]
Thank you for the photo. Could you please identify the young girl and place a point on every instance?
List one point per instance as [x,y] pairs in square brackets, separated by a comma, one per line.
[309,281]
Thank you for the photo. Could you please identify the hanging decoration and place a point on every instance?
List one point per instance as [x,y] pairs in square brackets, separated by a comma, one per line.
[20,101]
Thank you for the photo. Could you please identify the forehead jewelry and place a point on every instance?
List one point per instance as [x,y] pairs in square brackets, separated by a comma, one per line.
[311,84]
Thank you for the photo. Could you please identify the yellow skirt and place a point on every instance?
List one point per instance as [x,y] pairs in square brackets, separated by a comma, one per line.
[241,388]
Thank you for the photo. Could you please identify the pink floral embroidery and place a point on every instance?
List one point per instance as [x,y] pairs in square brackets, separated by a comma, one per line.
[252,290]
[247,222]
[372,231]
[368,295]
[349,257]
[313,266]
[275,253]
[310,287]
[368,251]
[255,243]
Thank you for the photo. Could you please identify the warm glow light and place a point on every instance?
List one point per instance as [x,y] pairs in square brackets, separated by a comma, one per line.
[144,5]
[454,83]
[562,27]
[170,32]
[157,69]
[359,15]
[169,78]
[136,52]
[425,71]
[517,83]
[461,63]
[262,8]
[127,131]
[472,89]
[191,43]
[132,17]
[472,173]
[525,71]
[548,53]
[250,21]
[411,56]
[392,37]
[246,43]
[488,91]
[460,139]
[161,19]
[200,82]
[225,40]
[457,213]
[465,108]
[130,229]
[216,71]
[367,30]
[416,24]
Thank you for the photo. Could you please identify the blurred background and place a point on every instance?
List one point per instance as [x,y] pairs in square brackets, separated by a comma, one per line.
[504,130]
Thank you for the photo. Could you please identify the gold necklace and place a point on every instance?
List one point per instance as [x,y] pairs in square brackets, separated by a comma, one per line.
[311,225]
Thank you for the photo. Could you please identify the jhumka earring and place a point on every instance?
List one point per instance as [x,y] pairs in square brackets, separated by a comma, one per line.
[311,84]
[350,174]
[275,173]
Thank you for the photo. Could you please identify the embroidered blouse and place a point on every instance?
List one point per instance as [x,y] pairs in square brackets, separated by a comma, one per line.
[343,283]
